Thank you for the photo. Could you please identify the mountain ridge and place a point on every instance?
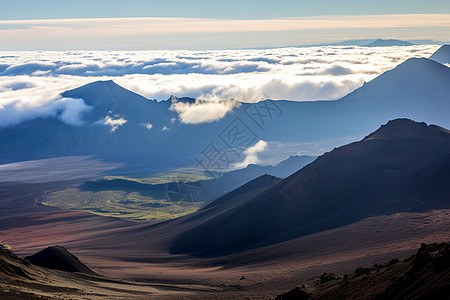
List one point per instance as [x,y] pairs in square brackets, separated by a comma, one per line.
[137,130]
[362,179]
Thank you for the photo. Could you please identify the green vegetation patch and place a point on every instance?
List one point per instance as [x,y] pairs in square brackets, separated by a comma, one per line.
[128,198]
[120,203]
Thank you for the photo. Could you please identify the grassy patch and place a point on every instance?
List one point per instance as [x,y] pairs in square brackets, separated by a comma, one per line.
[128,198]
[122,204]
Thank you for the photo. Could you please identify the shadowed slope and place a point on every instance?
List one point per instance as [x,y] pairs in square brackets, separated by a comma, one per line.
[442,55]
[425,275]
[402,166]
[13,266]
[59,258]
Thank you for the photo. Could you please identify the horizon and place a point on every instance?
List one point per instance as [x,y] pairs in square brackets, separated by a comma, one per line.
[200,25]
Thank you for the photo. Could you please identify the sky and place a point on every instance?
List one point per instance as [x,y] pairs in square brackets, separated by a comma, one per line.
[199,24]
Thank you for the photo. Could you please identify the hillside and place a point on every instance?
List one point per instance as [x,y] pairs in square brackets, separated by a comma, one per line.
[424,275]
[442,55]
[59,258]
[15,267]
[403,166]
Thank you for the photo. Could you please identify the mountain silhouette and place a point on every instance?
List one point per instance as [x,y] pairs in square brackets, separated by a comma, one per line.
[59,258]
[388,43]
[152,136]
[442,55]
[403,166]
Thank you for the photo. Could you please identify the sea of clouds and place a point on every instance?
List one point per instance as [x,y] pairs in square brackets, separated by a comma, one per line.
[31,81]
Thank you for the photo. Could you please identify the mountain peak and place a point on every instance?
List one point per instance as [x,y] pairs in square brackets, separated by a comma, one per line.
[94,87]
[403,88]
[107,83]
[442,55]
[406,128]
[173,99]
[108,97]
[58,258]
[388,43]
[415,62]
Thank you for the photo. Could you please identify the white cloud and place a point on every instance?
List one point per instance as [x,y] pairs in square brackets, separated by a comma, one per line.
[251,155]
[31,81]
[68,110]
[165,128]
[73,110]
[147,125]
[203,111]
[115,122]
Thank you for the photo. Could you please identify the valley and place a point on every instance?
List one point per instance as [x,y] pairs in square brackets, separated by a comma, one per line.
[125,199]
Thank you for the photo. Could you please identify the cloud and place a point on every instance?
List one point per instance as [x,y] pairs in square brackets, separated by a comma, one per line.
[147,125]
[251,155]
[120,67]
[68,110]
[24,98]
[203,111]
[114,121]
[31,81]
[73,110]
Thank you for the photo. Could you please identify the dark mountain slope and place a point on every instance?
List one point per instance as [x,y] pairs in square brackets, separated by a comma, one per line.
[163,234]
[108,98]
[425,275]
[381,174]
[59,258]
[211,190]
[15,267]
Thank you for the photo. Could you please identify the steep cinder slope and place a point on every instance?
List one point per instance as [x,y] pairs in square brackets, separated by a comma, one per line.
[425,275]
[15,267]
[59,258]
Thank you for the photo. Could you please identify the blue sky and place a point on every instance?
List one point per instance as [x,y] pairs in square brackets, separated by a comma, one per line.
[230,9]
[199,24]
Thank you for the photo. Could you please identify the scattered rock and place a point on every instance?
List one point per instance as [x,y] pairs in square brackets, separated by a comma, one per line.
[296,294]
[326,277]
[362,271]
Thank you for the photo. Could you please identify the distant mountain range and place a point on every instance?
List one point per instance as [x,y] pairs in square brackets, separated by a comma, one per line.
[209,189]
[402,166]
[388,43]
[379,43]
[149,137]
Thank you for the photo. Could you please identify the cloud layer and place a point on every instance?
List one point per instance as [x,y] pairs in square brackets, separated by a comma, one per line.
[31,82]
